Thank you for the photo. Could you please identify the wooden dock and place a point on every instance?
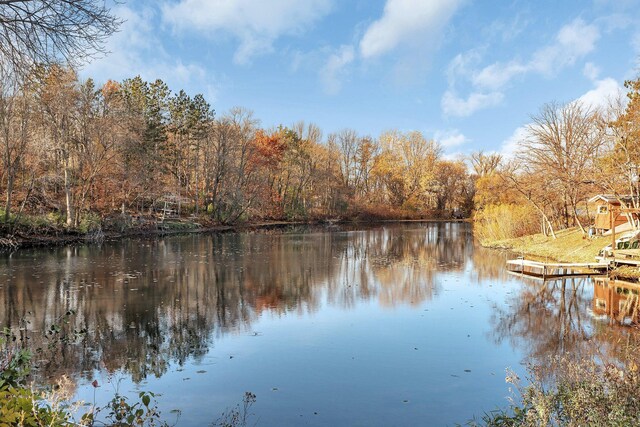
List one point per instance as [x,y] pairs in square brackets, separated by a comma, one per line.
[555,269]
[627,257]
[622,257]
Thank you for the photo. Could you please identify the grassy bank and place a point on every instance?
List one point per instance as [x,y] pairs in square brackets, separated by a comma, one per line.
[569,246]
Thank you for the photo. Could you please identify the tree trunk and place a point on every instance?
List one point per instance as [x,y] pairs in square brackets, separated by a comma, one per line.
[7,207]
[67,193]
[197,200]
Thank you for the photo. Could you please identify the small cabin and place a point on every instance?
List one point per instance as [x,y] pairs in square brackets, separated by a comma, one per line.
[603,204]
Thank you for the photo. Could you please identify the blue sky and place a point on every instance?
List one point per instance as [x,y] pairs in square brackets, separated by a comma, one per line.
[467,73]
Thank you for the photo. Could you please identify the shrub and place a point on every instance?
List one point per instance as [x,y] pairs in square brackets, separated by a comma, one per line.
[24,407]
[581,393]
[90,222]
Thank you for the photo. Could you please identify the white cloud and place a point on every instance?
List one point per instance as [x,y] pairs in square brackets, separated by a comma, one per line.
[604,91]
[137,50]
[452,105]
[450,138]
[125,46]
[572,42]
[257,24]
[333,71]
[510,145]
[410,22]
[496,76]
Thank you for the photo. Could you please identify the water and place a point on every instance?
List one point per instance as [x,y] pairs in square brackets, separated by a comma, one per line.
[406,324]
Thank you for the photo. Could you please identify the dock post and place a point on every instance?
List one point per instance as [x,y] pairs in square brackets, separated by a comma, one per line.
[612,224]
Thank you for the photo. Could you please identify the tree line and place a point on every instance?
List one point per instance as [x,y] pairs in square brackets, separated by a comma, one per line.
[73,149]
[75,152]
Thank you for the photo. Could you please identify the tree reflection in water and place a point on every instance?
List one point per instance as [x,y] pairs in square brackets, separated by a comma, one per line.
[547,318]
[149,303]
[554,318]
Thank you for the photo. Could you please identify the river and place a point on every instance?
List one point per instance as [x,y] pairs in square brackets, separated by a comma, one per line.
[400,324]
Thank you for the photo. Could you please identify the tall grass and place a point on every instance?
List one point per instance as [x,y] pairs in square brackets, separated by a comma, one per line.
[505,221]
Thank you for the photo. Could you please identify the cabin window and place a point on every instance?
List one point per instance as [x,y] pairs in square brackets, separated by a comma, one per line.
[602,209]
[601,304]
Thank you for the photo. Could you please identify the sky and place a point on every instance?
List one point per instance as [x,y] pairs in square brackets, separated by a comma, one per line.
[469,74]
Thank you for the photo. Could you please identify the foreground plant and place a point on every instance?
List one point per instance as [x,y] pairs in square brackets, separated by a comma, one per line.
[581,393]
[22,404]
[237,416]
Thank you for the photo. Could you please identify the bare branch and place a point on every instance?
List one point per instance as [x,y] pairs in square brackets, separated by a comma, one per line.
[48,31]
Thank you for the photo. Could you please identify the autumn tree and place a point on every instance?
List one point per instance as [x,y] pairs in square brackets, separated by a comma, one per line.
[97,136]
[296,183]
[490,186]
[233,178]
[406,168]
[527,183]
[15,133]
[268,159]
[454,188]
[346,141]
[57,100]
[366,152]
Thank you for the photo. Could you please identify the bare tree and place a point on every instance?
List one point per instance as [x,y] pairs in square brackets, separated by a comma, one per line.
[347,142]
[365,156]
[563,143]
[58,96]
[485,164]
[48,31]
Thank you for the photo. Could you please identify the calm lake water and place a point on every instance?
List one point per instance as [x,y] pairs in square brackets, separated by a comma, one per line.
[404,324]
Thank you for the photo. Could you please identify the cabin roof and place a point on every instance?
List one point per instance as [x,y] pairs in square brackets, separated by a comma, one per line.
[610,198]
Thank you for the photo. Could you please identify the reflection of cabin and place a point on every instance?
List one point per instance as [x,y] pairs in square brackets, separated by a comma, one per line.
[603,204]
[616,299]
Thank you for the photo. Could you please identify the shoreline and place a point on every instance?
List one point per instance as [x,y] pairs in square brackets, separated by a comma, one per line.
[72,238]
